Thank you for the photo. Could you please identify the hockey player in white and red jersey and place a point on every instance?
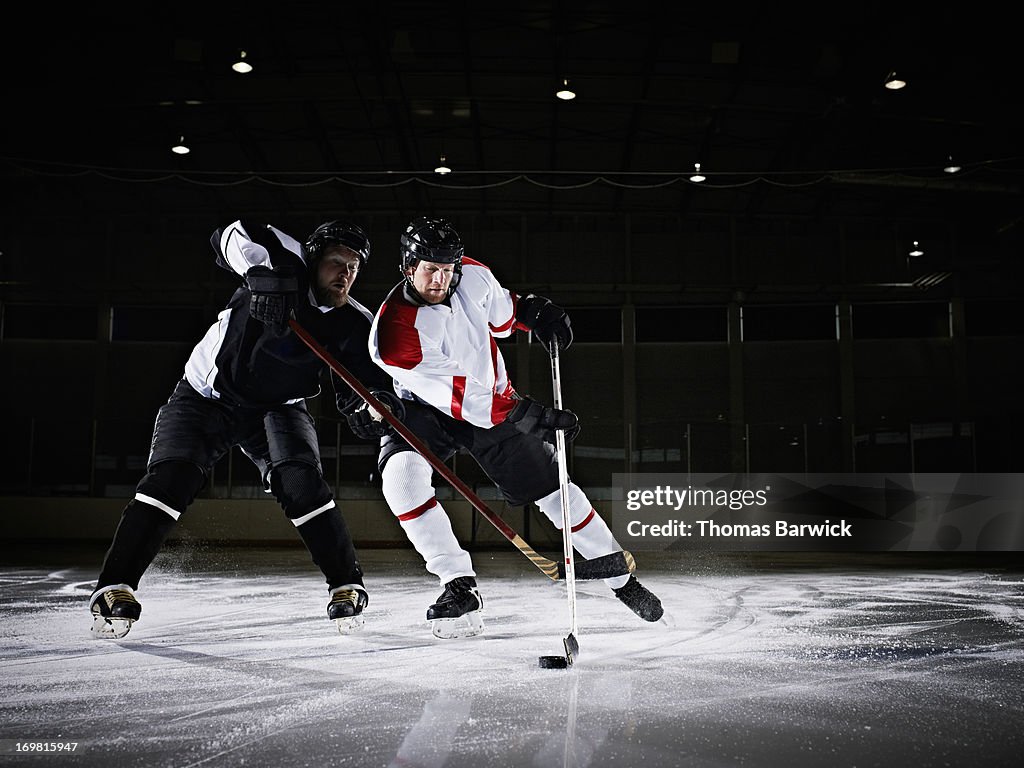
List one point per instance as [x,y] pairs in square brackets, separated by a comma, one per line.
[435,334]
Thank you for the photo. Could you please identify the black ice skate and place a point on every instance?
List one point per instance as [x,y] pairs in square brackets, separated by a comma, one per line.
[114,610]
[457,611]
[346,607]
[640,600]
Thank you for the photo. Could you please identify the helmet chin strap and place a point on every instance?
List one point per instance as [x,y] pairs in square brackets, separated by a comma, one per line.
[412,294]
[416,296]
[410,288]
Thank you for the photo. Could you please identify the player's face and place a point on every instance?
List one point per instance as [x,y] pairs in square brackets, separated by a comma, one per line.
[338,269]
[431,280]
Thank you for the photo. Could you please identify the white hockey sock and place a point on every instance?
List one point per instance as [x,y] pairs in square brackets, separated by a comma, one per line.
[591,536]
[407,489]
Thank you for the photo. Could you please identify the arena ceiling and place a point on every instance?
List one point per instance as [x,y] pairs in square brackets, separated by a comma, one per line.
[350,107]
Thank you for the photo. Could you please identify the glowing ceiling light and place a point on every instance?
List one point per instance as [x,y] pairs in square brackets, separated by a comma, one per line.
[242,66]
[565,93]
[894,83]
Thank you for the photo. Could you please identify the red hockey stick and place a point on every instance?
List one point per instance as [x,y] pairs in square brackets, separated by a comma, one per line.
[599,568]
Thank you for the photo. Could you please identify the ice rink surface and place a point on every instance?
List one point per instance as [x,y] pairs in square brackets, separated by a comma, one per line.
[788,660]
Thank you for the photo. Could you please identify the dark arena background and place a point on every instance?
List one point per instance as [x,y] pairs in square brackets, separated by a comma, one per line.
[784,277]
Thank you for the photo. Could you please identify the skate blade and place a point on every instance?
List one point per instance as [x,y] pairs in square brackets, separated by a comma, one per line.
[111,628]
[468,625]
[349,624]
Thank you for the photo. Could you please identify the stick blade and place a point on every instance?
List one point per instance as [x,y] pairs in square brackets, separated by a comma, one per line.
[604,567]
[572,648]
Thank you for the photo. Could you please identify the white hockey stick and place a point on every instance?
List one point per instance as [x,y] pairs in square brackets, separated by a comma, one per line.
[572,646]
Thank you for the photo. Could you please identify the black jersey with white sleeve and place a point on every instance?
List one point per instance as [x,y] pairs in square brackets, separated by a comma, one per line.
[244,362]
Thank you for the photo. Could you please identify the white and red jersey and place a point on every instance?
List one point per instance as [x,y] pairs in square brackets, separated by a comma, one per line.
[446,354]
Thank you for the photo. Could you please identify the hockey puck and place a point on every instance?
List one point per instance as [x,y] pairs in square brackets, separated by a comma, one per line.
[553,662]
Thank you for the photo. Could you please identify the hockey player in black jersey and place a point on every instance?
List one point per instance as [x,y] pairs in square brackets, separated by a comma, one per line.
[245,384]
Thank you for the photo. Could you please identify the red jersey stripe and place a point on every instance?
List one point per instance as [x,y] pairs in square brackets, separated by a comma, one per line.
[397,337]
[458,395]
[508,323]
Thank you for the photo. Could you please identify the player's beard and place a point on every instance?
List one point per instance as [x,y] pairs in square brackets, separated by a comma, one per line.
[432,293]
[333,295]
[435,295]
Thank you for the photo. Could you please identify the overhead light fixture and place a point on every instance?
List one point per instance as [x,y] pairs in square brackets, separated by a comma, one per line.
[950,166]
[894,83]
[916,250]
[565,93]
[442,167]
[697,177]
[242,66]
[181,148]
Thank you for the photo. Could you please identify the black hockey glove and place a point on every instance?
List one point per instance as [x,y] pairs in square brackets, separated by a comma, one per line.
[275,293]
[531,417]
[366,423]
[548,321]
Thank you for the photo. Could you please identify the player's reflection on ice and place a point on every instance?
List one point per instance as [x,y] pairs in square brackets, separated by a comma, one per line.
[585,736]
[436,735]
[431,739]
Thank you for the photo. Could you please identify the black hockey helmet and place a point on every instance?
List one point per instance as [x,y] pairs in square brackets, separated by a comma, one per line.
[429,239]
[338,232]
[435,240]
